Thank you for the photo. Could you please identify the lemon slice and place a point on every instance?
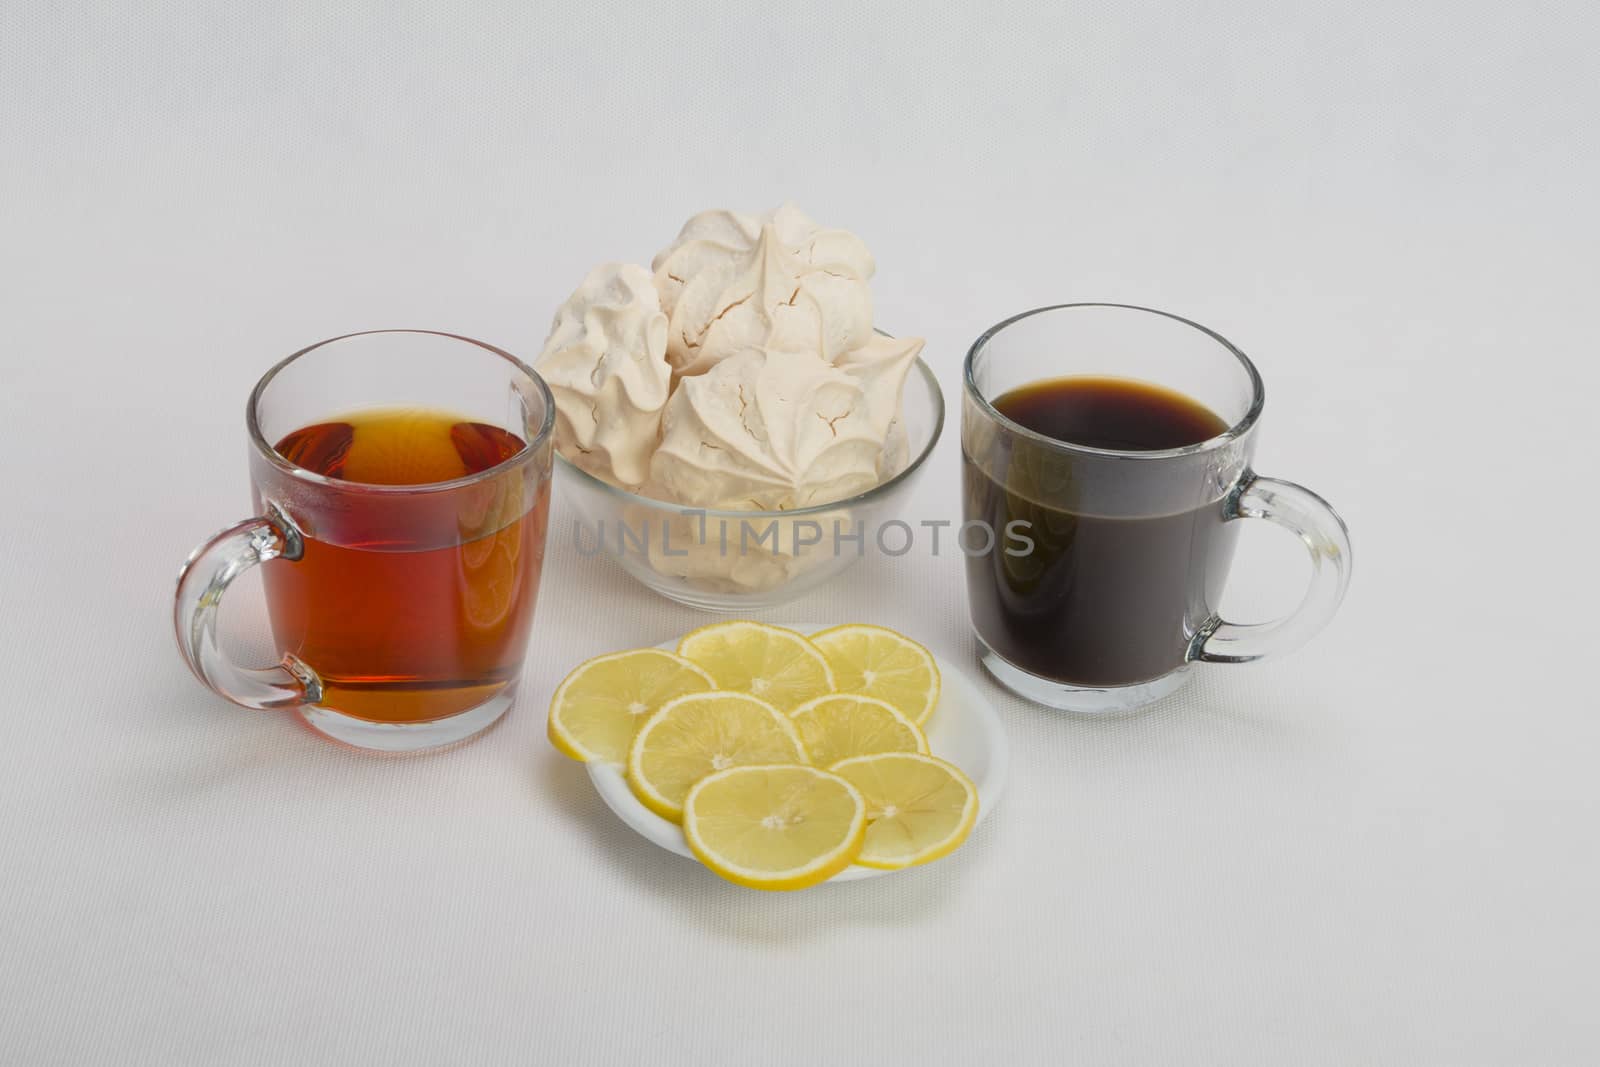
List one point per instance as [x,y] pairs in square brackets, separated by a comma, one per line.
[840,725]
[492,580]
[775,664]
[775,827]
[878,662]
[600,706]
[918,807]
[693,735]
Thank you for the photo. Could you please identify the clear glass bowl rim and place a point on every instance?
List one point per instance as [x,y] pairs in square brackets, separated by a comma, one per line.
[881,489]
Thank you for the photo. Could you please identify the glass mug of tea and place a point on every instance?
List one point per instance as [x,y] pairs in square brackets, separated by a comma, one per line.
[401,483]
[1112,444]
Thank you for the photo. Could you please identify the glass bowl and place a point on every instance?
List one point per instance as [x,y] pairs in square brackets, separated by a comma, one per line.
[741,561]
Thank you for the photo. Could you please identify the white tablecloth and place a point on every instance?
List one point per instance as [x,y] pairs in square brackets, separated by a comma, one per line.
[1378,850]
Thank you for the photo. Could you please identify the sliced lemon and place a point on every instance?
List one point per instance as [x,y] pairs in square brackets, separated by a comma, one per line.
[918,807]
[492,580]
[775,827]
[775,664]
[876,661]
[841,725]
[693,735]
[600,706]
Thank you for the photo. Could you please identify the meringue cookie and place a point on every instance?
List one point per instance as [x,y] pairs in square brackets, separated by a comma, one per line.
[767,429]
[881,366]
[731,281]
[818,245]
[605,363]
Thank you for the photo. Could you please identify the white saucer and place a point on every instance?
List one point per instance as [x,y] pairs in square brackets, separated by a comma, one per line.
[964,729]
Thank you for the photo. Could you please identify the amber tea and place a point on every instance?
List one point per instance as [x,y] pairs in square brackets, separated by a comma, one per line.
[422,627]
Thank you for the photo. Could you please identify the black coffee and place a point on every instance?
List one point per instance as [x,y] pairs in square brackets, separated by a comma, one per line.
[1100,600]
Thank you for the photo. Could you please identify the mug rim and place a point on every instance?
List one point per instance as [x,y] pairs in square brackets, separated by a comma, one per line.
[294,470]
[1233,433]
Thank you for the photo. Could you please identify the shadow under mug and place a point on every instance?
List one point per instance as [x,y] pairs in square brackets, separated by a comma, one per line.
[1115,560]
[401,612]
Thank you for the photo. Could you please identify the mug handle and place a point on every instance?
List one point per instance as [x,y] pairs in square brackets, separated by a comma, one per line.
[203,579]
[1304,513]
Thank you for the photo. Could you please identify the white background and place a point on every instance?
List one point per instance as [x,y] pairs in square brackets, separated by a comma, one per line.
[1378,850]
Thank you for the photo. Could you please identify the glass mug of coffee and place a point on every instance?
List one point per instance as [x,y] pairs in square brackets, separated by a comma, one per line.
[401,483]
[1112,445]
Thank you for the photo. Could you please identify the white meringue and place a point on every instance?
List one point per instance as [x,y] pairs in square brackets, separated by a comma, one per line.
[881,366]
[820,246]
[605,363]
[768,430]
[731,281]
